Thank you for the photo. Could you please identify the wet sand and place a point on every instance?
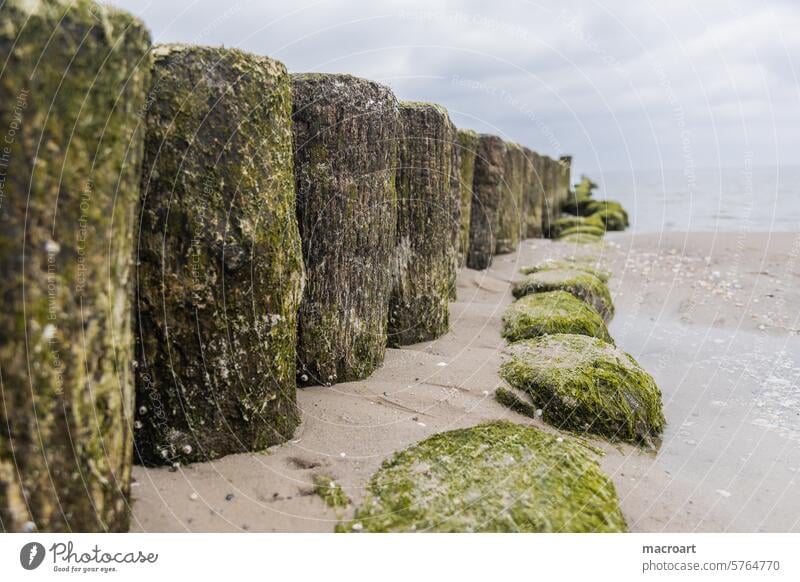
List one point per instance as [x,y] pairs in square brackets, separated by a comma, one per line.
[714,317]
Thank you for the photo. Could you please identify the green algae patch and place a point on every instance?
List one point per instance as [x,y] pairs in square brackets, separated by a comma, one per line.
[584,384]
[578,199]
[468,146]
[579,283]
[582,238]
[549,313]
[603,274]
[494,477]
[567,222]
[220,274]
[331,492]
[346,132]
[74,82]
[585,229]
[613,215]
[487,191]
[428,201]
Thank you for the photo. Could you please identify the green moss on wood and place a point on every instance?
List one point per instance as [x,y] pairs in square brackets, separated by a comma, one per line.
[495,477]
[468,147]
[552,312]
[584,384]
[487,192]
[510,213]
[345,134]
[428,191]
[330,492]
[73,84]
[580,283]
[532,196]
[221,272]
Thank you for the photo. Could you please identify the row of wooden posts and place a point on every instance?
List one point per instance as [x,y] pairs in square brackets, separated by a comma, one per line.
[189,233]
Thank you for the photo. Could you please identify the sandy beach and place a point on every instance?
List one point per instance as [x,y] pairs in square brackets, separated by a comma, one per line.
[714,318]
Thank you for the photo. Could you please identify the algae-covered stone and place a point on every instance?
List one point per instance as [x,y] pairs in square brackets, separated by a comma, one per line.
[532,196]
[584,384]
[494,477]
[581,238]
[601,273]
[345,135]
[588,229]
[578,200]
[510,210]
[581,284]
[558,227]
[73,82]
[221,273]
[610,212]
[428,194]
[552,312]
[487,186]
[468,147]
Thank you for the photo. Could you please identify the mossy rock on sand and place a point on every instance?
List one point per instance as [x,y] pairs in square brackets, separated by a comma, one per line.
[584,384]
[577,200]
[510,212]
[580,283]
[74,82]
[552,312]
[613,215]
[468,147]
[428,197]
[603,274]
[345,135]
[566,222]
[587,229]
[221,271]
[495,477]
[532,196]
[581,238]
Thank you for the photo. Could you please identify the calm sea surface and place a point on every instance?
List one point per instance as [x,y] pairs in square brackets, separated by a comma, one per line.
[704,199]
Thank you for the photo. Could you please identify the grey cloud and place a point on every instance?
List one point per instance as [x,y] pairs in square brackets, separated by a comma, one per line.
[614,83]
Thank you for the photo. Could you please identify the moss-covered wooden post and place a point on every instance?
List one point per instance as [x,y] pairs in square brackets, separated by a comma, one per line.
[220,273]
[427,226]
[487,185]
[346,131]
[552,207]
[509,214]
[564,178]
[532,195]
[468,146]
[72,85]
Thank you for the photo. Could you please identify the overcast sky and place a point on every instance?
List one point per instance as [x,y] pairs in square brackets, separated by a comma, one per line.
[617,84]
